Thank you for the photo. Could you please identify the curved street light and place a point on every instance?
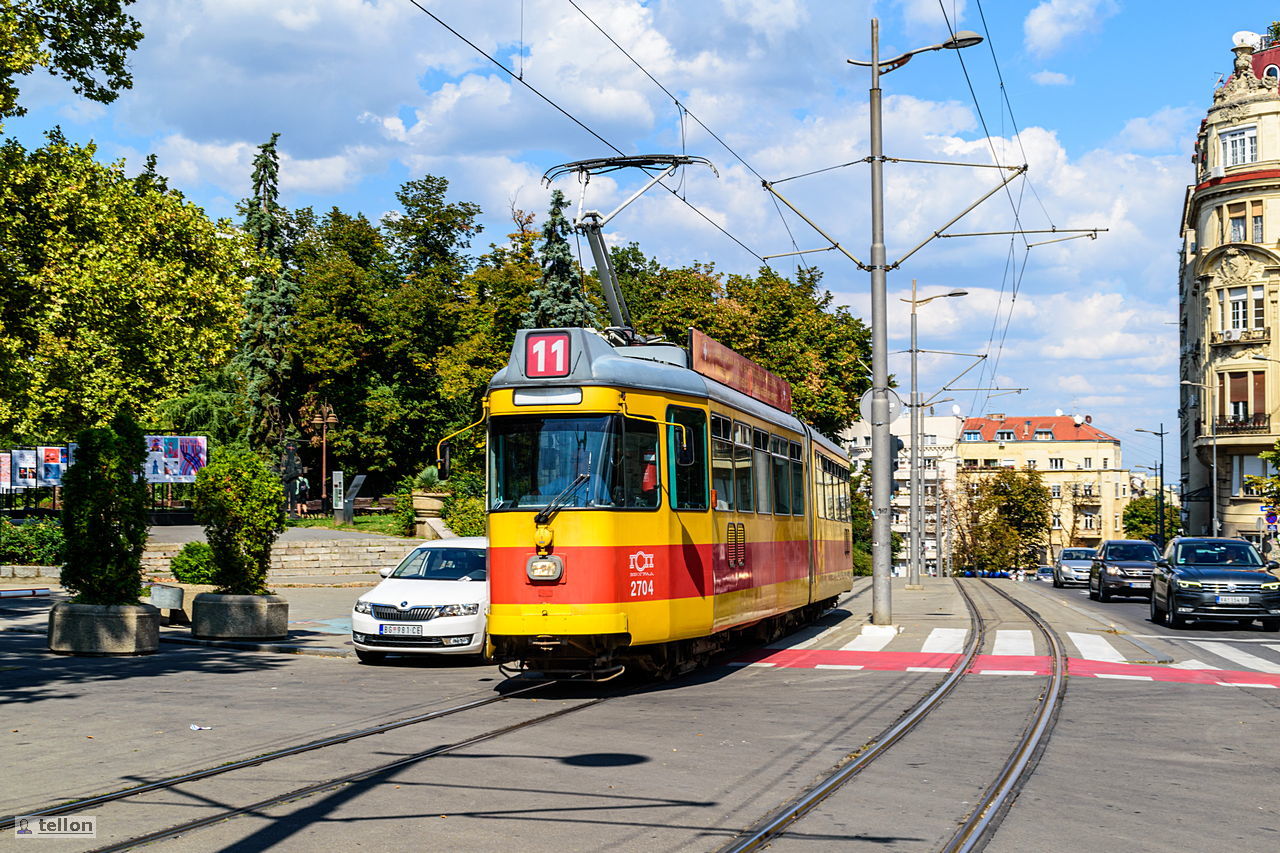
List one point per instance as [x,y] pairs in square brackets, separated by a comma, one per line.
[881,531]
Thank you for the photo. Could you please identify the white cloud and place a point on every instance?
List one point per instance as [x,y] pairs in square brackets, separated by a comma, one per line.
[228,166]
[1165,129]
[1052,78]
[1048,26]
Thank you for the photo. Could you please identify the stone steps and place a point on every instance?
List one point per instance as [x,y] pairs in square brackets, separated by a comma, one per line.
[346,556]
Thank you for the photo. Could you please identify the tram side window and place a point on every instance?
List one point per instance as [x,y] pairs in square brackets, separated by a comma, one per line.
[722,462]
[763,472]
[781,476]
[826,481]
[743,484]
[797,480]
[689,482]
[639,465]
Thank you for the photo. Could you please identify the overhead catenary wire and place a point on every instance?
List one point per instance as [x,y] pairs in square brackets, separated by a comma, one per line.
[580,124]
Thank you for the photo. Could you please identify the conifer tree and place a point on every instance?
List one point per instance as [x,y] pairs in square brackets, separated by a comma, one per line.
[268,305]
[559,302]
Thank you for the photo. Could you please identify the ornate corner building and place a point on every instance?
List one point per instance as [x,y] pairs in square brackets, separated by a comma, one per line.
[1229,282]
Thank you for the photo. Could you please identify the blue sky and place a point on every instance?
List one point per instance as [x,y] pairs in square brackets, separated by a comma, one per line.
[1106,93]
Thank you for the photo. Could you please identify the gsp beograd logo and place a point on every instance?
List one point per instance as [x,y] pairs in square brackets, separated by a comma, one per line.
[72,826]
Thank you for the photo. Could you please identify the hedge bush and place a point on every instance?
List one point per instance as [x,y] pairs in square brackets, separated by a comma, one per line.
[241,505]
[104,515]
[35,543]
[464,515]
[193,564]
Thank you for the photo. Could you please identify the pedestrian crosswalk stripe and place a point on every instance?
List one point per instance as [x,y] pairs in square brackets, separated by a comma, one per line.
[1014,643]
[927,669]
[1243,684]
[869,642]
[1006,672]
[1120,675]
[1273,647]
[1093,647]
[945,640]
[836,666]
[1193,664]
[1239,656]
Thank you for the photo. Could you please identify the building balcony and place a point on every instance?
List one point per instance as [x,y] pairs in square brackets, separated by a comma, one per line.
[1249,425]
[1228,337]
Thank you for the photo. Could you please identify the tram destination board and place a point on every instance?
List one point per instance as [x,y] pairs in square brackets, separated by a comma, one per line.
[716,361]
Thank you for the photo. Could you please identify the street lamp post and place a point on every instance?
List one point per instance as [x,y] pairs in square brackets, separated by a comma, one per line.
[881,532]
[324,418]
[1160,494]
[1213,442]
[915,509]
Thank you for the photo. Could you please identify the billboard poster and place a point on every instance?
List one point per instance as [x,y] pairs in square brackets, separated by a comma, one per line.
[23,466]
[175,458]
[6,474]
[52,462]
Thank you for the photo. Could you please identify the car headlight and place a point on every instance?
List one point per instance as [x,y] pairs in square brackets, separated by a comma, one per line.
[362,606]
[1274,585]
[1185,584]
[1115,570]
[459,610]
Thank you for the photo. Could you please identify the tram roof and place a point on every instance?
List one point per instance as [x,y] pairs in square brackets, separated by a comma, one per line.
[594,361]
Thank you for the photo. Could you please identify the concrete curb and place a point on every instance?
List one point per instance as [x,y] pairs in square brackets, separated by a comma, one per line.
[282,648]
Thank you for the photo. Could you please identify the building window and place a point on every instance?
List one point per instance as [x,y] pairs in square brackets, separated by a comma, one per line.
[1057,521]
[929,463]
[1031,464]
[1271,71]
[1088,490]
[1090,521]
[990,463]
[972,435]
[1237,229]
[1055,464]
[1257,228]
[1055,491]
[1088,462]
[1116,521]
[930,439]
[1105,464]
[1247,466]
[1004,435]
[1239,146]
[1259,306]
[1044,435]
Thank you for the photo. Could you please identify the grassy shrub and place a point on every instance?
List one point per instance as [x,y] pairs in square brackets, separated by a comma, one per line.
[241,505]
[193,564]
[104,515]
[35,543]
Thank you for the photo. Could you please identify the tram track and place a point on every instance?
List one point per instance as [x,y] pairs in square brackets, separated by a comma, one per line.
[978,825]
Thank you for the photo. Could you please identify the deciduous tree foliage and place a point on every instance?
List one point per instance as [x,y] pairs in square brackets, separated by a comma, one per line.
[1141,519]
[1005,524]
[86,42]
[789,327]
[113,293]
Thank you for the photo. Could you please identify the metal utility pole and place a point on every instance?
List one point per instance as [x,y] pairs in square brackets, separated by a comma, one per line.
[881,531]
[915,512]
[1159,495]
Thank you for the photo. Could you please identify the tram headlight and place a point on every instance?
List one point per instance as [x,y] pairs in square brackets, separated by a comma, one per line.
[544,568]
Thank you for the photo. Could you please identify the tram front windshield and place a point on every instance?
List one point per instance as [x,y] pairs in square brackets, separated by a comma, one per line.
[533,459]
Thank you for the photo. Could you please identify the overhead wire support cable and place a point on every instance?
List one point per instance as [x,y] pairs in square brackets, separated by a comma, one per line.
[1017,170]
[835,244]
[582,125]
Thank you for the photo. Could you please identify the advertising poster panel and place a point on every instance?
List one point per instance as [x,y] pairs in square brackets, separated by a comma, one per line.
[175,458]
[6,475]
[24,466]
[53,461]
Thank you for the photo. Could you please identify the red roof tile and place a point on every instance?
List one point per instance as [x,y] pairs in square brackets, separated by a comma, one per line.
[1064,428]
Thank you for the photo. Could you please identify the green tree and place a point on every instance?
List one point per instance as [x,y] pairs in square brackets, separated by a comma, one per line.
[104,515]
[1002,524]
[1141,519]
[559,301]
[268,306]
[241,505]
[86,42]
[113,295]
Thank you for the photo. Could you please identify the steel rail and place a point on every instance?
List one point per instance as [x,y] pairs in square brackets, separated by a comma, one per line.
[781,819]
[986,816]
[174,781]
[445,749]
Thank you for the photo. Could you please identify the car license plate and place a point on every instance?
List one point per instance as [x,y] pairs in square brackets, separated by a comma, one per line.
[1139,584]
[1233,599]
[411,630]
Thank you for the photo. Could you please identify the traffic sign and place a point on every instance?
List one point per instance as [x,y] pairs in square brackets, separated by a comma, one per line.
[1272,518]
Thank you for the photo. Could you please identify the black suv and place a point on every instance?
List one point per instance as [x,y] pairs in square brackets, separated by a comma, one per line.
[1122,567]
[1215,579]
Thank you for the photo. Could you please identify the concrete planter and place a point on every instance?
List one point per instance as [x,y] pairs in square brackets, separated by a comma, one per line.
[239,617]
[428,504]
[104,629]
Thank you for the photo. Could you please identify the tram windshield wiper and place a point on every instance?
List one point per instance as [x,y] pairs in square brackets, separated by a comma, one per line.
[559,501]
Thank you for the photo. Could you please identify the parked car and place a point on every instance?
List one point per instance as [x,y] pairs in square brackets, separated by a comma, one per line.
[435,602]
[1207,578]
[1044,573]
[1122,567]
[1072,566]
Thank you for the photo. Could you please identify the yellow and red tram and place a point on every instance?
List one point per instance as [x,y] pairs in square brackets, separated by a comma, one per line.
[642,512]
